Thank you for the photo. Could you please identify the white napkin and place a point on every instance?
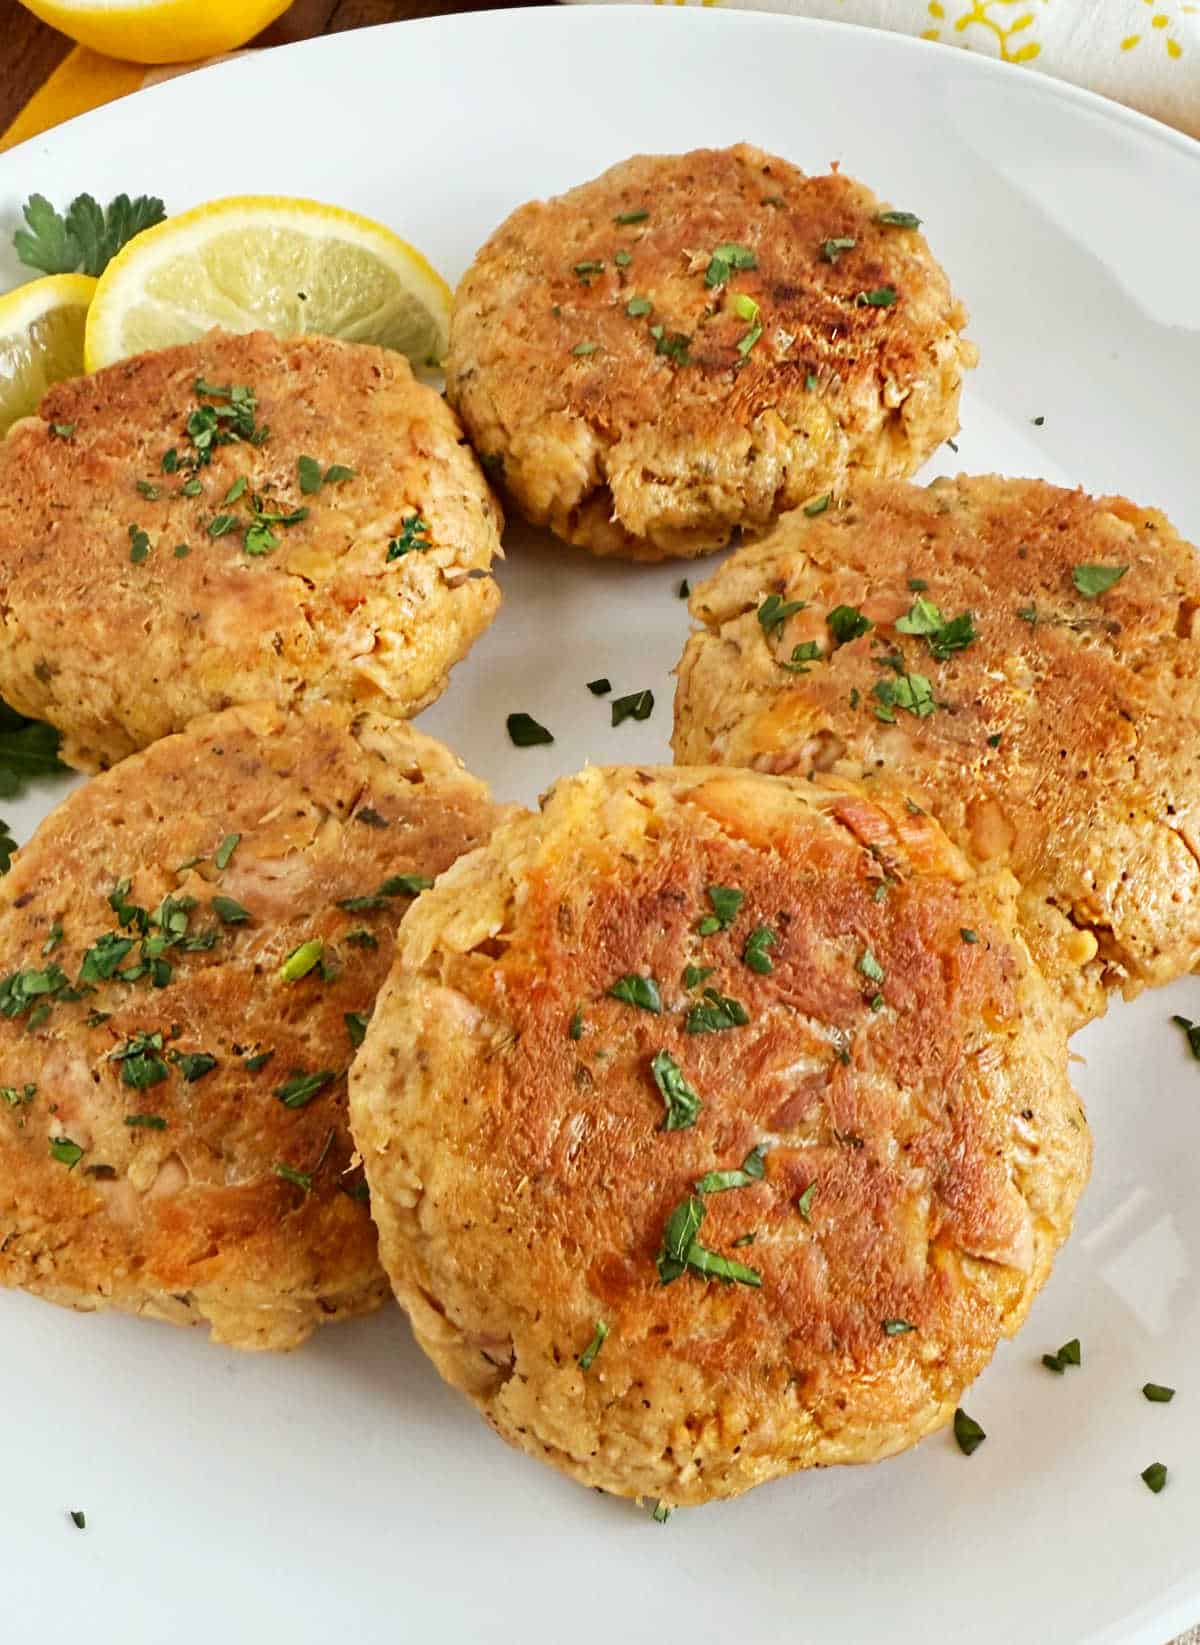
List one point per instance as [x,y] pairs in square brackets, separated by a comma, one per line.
[1145,53]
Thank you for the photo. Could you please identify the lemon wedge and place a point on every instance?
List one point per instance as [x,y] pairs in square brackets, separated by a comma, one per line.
[158,31]
[41,340]
[281,265]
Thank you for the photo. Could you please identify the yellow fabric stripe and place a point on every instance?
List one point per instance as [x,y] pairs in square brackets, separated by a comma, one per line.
[82,81]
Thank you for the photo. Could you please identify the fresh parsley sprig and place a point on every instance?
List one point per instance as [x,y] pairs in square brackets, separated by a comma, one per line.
[85,237]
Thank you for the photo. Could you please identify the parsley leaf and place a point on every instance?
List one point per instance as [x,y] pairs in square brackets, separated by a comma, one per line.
[755,954]
[1094,580]
[942,637]
[600,687]
[831,250]
[898,219]
[681,1099]
[681,1249]
[526,732]
[633,989]
[846,623]
[870,966]
[230,912]
[775,611]
[638,705]
[7,847]
[751,1170]
[86,236]
[881,297]
[1192,1030]
[193,1065]
[804,1203]
[674,344]
[725,259]
[717,1012]
[66,1152]
[726,900]
[414,535]
[299,1089]
[356,1026]
[588,1357]
[1155,1392]
[912,692]
[1155,1476]
[28,749]
[967,1432]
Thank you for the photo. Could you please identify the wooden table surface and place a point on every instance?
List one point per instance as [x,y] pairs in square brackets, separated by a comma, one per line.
[29,50]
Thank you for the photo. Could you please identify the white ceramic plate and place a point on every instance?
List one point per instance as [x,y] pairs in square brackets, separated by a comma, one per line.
[342,1492]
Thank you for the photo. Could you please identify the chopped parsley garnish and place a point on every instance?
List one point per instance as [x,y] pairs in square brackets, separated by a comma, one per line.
[1156,1393]
[63,431]
[674,344]
[967,1432]
[694,975]
[582,350]
[748,340]
[743,1239]
[725,259]
[302,960]
[356,1026]
[940,635]
[526,732]
[230,912]
[621,258]
[299,1089]
[181,550]
[14,1098]
[236,491]
[726,900]
[810,383]
[996,738]
[897,1327]
[193,1065]
[681,1249]
[1028,614]
[66,1152]
[717,1012]
[146,1122]
[755,954]
[638,705]
[141,1064]
[660,1512]
[831,250]
[681,1099]
[258,1061]
[912,692]
[1053,1363]
[298,1179]
[967,934]
[870,966]
[223,855]
[311,478]
[1155,1476]
[818,505]
[139,545]
[684,589]
[1094,580]
[370,818]
[588,1357]
[414,535]
[808,651]
[78,1519]
[1037,421]
[221,524]
[87,236]
[804,1203]
[600,687]
[148,490]
[881,297]
[398,885]
[636,307]
[775,611]
[917,585]
[846,623]
[1069,1353]
[575,1026]
[585,271]
[898,219]
[626,218]
[751,1170]
[633,989]
[20,989]
[360,939]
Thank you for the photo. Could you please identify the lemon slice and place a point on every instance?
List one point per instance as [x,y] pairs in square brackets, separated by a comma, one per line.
[261,262]
[158,31]
[41,340]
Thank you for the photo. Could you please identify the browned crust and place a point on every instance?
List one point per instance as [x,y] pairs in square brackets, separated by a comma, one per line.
[627,451]
[521,1181]
[1067,743]
[192,1222]
[117,653]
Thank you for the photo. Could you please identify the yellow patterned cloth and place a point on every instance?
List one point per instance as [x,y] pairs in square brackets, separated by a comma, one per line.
[1145,53]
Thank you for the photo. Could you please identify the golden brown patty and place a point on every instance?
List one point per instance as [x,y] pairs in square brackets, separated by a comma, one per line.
[150,572]
[644,395]
[173,1136]
[1063,740]
[844,1021]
